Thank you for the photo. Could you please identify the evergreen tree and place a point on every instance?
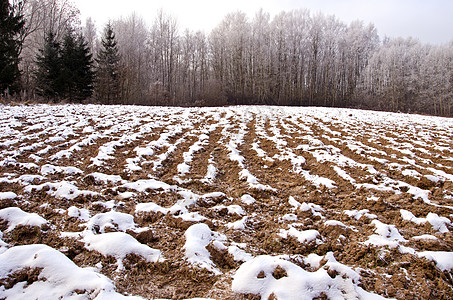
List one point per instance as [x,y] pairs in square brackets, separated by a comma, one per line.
[48,75]
[65,72]
[85,72]
[107,88]
[69,67]
[11,25]
[77,68]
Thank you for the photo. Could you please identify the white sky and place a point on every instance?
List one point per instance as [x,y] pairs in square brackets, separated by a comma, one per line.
[431,21]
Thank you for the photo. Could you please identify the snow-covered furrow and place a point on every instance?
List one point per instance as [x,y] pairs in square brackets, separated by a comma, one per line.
[200,143]
[232,138]
[127,132]
[174,125]
[171,148]
[106,151]
[403,142]
[297,161]
[285,152]
[78,146]
[333,155]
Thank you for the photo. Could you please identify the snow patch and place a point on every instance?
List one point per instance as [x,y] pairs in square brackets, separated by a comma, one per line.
[150,207]
[143,184]
[425,237]
[439,223]
[7,196]
[110,220]
[247,199]
[335,223]
[119,245]
[258,277]
[232,209]
[443,259]
[62,190]
[16,216]
[51,169]
[81,214]
[238,225]
[387,235]
[357,214]
[313,208]
[304,236]
[198,236]
[100,178]
[239,254]
[59,277]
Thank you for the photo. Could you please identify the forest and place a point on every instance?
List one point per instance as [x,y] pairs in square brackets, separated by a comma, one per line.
[295,58]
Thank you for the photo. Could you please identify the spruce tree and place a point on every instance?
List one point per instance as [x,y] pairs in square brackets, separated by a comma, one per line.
[11,25]
[69,67]
[85,72]
[77,68]
[65,71]
[48,76]
[107,88]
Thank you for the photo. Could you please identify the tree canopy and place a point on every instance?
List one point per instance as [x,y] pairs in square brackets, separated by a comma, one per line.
[293,58]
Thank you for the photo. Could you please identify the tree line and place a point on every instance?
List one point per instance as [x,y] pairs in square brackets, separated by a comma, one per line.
[293,58]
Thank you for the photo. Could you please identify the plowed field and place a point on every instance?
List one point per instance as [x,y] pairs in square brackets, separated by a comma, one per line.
[224,203]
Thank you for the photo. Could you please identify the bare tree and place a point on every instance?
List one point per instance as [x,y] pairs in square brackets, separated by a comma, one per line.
[90,34]
[132,36]
[165,46]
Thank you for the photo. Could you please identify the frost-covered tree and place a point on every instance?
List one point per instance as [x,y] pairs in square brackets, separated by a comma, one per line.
[164,44]
[132,35]
[436,78]
[89,31]
[404,75]
[261,57]
[359,44]
[231,45]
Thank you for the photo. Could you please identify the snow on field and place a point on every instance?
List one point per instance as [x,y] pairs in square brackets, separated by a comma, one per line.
[56,276]
[15,216]
[102,202]
[7,195]
[119,245]
[63,189]
[267,275]
[438,223]
[198,236]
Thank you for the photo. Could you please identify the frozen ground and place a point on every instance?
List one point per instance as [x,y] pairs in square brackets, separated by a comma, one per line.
[112,202]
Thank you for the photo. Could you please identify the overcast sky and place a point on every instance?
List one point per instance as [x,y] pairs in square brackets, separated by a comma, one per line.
[430,21]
